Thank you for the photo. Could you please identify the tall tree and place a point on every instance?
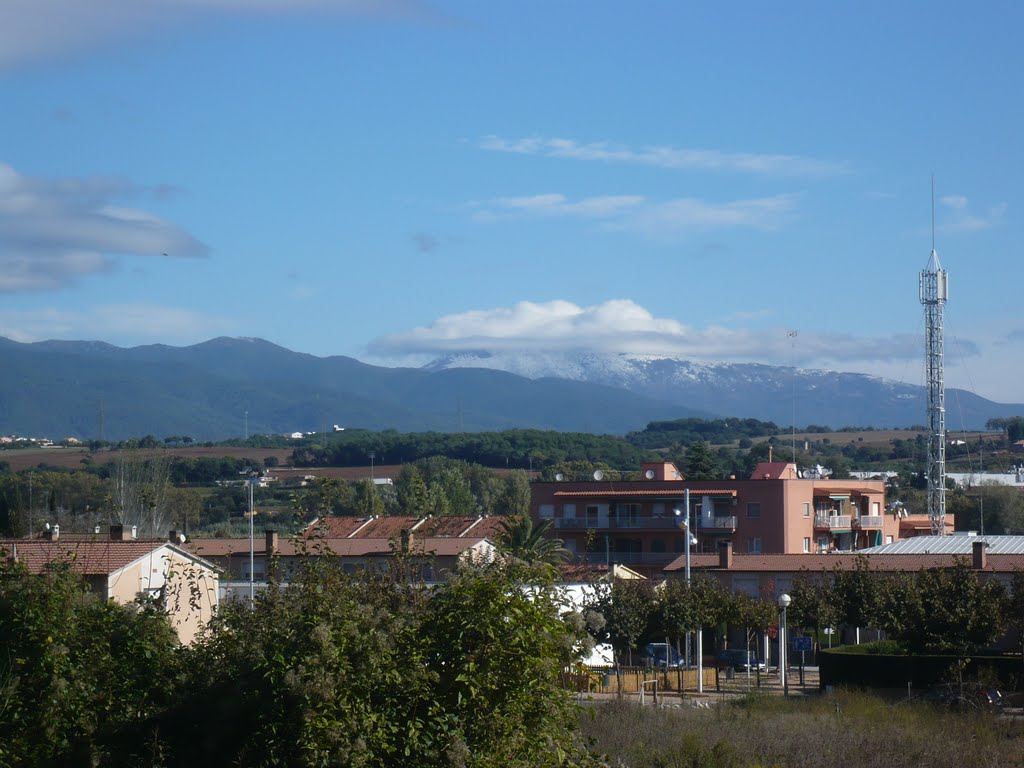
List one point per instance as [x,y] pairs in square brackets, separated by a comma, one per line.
[701,463]
[367,501]
[412,491]
[515,494]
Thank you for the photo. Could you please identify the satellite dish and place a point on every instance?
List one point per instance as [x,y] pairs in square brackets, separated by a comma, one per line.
[649,474]
[181,538]
[598,474]
[559,477]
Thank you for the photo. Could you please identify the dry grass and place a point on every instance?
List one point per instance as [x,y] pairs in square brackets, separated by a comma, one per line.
[844,730]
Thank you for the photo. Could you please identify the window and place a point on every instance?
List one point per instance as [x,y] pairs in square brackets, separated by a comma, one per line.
[627,515]
[874,508]
[754,545]
[658,510]
[592,516]
[823,543]
[570,545]
[753,509]
[547,511]
[657,545]
[807,544]
[888,539]
[807,509]
[568,511]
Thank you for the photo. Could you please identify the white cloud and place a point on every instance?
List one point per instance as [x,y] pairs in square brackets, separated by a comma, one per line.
[54,231]
[636,213]
[961,219]
[623,326]
[123,324]
[665,157]
[39,29]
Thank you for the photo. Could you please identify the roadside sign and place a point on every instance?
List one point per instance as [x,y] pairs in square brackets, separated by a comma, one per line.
[802,643]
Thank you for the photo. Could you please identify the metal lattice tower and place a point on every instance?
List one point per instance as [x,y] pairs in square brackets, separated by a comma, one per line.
[933,292]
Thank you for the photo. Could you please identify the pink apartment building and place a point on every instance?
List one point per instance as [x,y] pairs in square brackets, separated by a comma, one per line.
[775,511]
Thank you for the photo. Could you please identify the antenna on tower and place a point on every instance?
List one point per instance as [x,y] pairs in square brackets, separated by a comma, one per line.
[933,211]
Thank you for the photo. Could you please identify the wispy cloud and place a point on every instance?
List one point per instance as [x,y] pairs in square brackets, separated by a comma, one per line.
[123,324]
[40,29]
[425,242]
[960,218]
[666,157]
[636,213]
[623,326]
[54,231]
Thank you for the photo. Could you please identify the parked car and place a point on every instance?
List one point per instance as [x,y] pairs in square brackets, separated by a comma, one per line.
[738,658]
[660,655]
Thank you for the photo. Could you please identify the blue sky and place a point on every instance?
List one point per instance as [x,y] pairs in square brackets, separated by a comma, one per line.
[395,180]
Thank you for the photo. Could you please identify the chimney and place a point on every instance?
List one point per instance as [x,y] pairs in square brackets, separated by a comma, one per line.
[117,533]
[271,539]
[725,554]
[51,534]
[407,539]
[172,536]
[980,552]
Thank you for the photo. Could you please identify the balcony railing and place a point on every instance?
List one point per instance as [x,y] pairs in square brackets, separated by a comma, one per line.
[868,521]
[627,558]
[832,522]
[727,522]
[634,523]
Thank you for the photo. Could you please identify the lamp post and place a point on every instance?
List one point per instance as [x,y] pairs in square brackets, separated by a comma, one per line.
[685,524]
[784,601]
[252,553]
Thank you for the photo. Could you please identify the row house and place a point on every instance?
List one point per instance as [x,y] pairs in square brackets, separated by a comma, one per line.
[643,523]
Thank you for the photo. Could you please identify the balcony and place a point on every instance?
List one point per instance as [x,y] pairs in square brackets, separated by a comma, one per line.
[832,522]
[717,523]
[612,523]
[868,521]
[627,558]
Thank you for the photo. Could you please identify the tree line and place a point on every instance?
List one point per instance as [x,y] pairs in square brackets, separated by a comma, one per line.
[941,610]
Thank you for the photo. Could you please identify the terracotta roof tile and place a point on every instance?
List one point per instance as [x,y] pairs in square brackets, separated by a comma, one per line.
[88,558]
[336,527]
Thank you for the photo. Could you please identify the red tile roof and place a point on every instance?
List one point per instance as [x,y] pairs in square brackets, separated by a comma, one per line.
[385,528]
[445,525]
[336,527]
[88,558]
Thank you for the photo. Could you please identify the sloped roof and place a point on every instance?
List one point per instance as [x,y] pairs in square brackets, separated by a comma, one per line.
[335,527]
[87,557]
[844,562]
[350,547]
[956,545]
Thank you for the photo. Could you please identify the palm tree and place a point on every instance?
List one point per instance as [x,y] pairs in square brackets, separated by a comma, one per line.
[530,544]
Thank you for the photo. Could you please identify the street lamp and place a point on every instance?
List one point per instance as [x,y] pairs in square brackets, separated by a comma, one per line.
[253,475]
[690,541]
[784,601]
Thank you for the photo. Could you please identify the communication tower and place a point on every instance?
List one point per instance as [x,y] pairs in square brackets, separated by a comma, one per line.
[933,290]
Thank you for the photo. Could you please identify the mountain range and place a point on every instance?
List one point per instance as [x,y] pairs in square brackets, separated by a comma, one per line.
[222,387]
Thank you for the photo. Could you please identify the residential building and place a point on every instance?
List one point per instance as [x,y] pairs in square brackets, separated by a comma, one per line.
[122,568]
[778,510]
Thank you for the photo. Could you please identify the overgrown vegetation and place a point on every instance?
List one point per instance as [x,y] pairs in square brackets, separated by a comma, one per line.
[334,669]
[837,731]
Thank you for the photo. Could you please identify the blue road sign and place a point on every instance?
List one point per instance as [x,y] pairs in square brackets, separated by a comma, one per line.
[802,643]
